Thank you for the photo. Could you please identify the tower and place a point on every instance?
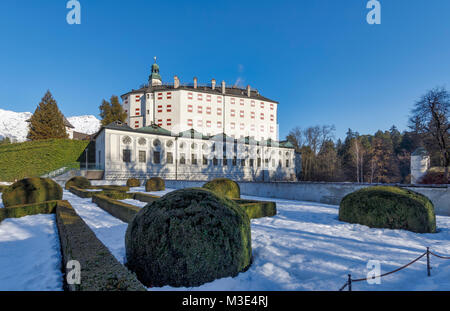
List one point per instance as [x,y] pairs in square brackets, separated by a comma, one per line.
[154,78]
[420,163]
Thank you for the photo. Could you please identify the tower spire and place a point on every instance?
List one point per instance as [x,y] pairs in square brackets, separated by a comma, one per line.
[154,78]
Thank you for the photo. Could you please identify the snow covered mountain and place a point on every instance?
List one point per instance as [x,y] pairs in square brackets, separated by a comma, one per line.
[14,125]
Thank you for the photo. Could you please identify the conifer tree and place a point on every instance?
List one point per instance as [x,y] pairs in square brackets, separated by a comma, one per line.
[47,121]
[112,111]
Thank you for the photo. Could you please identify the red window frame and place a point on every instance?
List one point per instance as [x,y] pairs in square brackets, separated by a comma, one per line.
[219,111]
[252,103]
[190,108]
[242,102]
[169,95]
[199,96]
[200,109]
[208,110]
[252,114]
[232,125]
[219,124]
[169,108]
[208,123]
[208,98]
[190,96]
[160,107]
[262,116]
[160,95]
[262,105]
[219,99]
[241,113]
[190,122]
[232,113]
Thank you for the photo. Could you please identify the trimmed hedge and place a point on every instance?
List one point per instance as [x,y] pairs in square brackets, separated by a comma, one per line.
[155,184]
[389,207]
[257,209]
[144,197]
[224,187]
[187,238]
[100,270]
[82,193]
[78,181]
[18,211]
[31,190]
[2,188]
[133,182]
[120,210]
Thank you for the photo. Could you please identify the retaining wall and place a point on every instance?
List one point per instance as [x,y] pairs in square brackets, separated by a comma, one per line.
[328,193]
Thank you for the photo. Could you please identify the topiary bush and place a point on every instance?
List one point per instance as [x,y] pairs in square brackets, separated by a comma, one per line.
[187,238]
[224,187]
[31,190]
[389,207]
[155,184]
[133,182]
[79,182]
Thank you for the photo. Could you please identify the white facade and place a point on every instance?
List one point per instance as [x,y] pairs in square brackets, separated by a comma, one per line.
[208,109]
[420,163]
[125,153]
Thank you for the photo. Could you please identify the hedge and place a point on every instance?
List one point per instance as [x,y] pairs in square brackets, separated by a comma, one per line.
[100,270]
[389,207]
[133,182]
[144,197]
[187,238]
[120,210]
[78,181]
[225,187]
[257,209]
[31,190]
[111,188]
[155,184]
[2,188]
[18,211]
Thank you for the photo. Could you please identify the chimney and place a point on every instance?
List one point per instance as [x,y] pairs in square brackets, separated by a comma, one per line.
[249,91]
[195,82]
[223,87]
[213,84]
[176,82]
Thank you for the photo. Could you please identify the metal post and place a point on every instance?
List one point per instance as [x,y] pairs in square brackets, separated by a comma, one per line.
[349,282]
[428,262]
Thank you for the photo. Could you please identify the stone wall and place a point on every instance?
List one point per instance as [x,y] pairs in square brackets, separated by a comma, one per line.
[328,193]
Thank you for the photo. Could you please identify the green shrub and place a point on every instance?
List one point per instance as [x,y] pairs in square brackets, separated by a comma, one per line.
[389,207]
[257,209]
[187,238]
[79,182]
[31,190]
[18,211]
[155,184]
[120,210]
[133,182]
[225,187]
[2,188]
[111,188]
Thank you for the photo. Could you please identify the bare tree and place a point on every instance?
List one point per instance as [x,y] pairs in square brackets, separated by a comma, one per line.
[430,116]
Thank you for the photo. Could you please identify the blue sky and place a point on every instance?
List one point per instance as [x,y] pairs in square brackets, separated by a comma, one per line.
[318,58]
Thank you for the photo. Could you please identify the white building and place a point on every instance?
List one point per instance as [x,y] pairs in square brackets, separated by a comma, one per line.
[195,132]
[209,109]
[420,163]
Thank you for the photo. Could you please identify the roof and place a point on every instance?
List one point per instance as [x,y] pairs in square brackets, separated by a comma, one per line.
[154,129]
[421,151]
[229,91]
[67,123]
[192,134]
[286,144]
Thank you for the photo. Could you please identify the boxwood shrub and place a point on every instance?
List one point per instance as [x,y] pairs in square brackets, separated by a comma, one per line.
[133,182]
[224,187]
[31,190]
[187,238]
[78,181]
[155,184]
[389,207]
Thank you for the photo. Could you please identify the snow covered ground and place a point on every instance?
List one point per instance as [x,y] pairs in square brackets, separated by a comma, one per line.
[305,247]
[30,257]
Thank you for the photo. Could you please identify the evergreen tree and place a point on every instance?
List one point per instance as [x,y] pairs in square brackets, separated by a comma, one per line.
[47,121]
[112,111]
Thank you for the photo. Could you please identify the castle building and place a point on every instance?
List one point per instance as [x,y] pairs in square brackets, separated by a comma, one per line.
[196,132]
[209,109]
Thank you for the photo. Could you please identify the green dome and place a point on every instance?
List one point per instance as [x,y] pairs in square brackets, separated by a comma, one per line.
[155,72]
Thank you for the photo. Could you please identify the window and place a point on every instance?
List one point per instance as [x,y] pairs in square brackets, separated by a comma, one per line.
[193,159]
[242,102]
[233,113]
[271,106]
[190,96]
[200,109]
[251,162]
[205,160]
[169,158]
[189,122]
[169,95]
[215,162]
[242,162]
[142,156]
[160,108]
[232,125]
[208,123]
[169,108]
[219,111]
[233,100]
[287,163]
[199,123]
[189,108]
[241,113]
[208,110]
[169,122]
[156,157]
[200,96]
[262,116]
[225,161]
[252,103]
[182,158]
[160,95]
[219,99]
[262,105]
[271,117]
[208,98]
[252,114]
[242,126]
[126,155]
[259,162]
[219,124]
[234,161]
[160,122]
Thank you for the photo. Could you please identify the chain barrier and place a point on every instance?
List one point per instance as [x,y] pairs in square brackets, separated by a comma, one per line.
[350,281]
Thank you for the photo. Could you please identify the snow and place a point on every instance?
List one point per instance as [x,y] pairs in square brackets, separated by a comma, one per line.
[30,257]
[134,202]
[306,247]
[1,201]
[14,125]
[88,124]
